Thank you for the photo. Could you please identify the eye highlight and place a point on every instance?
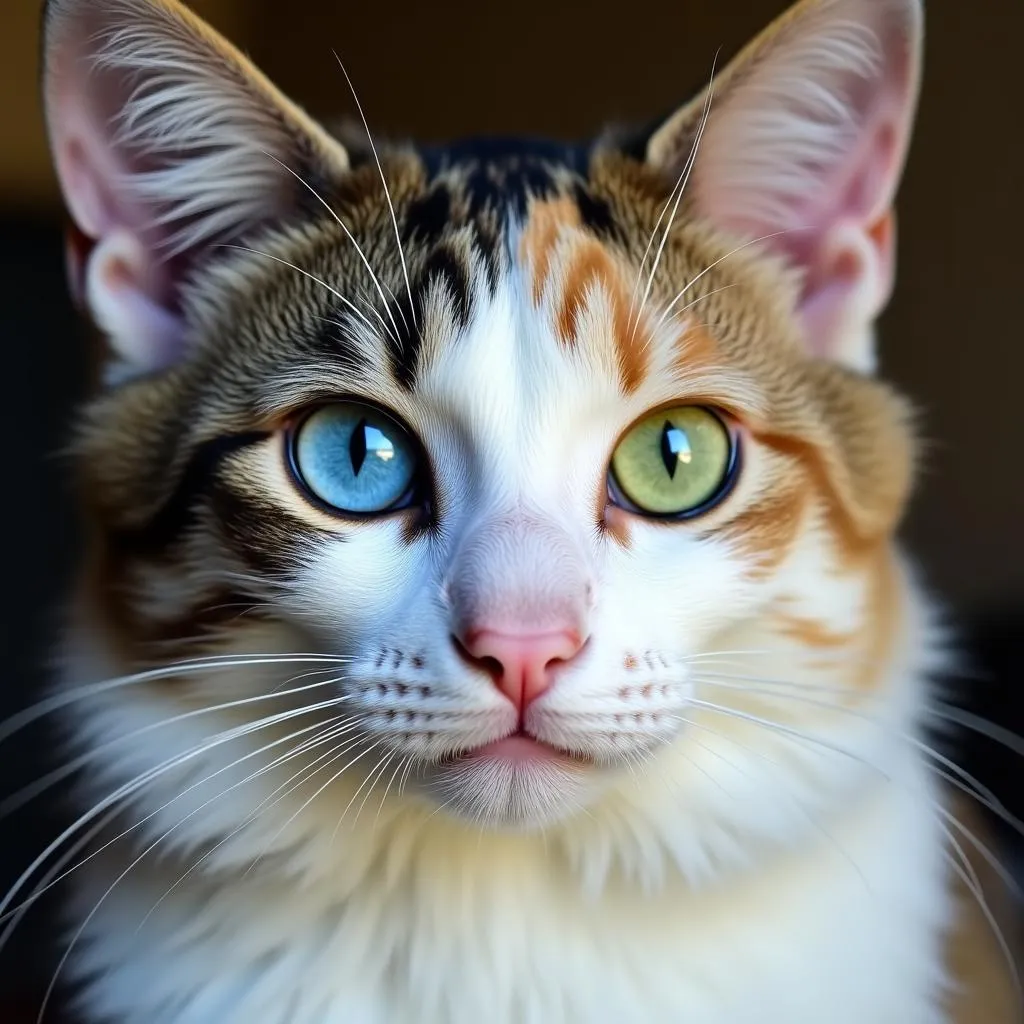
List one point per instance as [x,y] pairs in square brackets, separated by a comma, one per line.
[355,458]
[673,463]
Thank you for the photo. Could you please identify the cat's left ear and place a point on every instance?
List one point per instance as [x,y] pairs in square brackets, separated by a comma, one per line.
[168,142]
[804,144]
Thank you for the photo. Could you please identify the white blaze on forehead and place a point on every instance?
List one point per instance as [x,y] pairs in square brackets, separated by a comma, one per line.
[526,407]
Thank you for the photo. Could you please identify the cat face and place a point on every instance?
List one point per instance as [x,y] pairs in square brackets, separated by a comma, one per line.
[528,437]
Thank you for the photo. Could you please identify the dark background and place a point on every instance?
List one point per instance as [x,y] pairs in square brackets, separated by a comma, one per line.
[952,337]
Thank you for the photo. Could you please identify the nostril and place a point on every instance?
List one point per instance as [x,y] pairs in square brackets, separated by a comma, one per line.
[493,666]
[521,664]
[490,665]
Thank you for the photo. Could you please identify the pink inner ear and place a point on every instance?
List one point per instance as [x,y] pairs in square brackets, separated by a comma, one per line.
[115,265]
[850,259]
[142,330]
[804,150]
[114,268]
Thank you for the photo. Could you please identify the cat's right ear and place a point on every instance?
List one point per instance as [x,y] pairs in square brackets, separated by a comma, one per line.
[798,146]
[167,142]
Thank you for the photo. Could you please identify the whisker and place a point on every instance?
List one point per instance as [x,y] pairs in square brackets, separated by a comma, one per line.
[387,789]
[811,819]
[312,277]
[754,652]
[44,782]
[685,176]
[731,680]
[134,785]
[721,259]
[387,191]
[375,775]
[348,234]
[53,877]
[405,775]
[288,786]
[980,792]
[986,911]
[982,795]
[48,884]
[782,729]
[985,851]
[334,834]
[65,697]
[969,720]
[92,913]
[940,709]
[693,302]
[337,775]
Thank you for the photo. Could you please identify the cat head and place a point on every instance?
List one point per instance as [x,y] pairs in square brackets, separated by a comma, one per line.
[527,435]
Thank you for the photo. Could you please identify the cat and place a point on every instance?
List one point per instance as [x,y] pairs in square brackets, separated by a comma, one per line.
[492,609]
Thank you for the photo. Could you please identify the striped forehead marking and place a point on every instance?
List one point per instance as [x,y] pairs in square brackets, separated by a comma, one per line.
[569,269]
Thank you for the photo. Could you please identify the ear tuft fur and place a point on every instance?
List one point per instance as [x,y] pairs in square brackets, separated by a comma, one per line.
[804,147]
[166,140]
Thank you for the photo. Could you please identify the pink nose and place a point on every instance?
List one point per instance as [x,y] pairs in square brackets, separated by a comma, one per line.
[521,663]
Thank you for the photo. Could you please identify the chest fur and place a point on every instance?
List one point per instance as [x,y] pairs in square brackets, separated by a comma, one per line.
[848,932]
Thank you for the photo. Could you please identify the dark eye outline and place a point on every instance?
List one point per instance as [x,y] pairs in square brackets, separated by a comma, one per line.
[417,496]
[617,496]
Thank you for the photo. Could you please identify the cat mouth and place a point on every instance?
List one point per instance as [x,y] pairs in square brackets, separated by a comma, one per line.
[519,750]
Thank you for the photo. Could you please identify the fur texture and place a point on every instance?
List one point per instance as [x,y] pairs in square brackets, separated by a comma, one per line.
[742,822]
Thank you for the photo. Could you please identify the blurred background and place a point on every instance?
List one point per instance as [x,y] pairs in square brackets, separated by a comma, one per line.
[952,338]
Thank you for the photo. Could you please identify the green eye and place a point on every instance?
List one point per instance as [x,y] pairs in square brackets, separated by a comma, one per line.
[355,458]
[673,462]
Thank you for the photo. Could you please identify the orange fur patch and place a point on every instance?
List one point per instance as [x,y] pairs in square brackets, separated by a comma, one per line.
[695,347]
[592,268]
[852,542]
[547,220]
[881,617]
[811,632]
[589,269]
[767,531]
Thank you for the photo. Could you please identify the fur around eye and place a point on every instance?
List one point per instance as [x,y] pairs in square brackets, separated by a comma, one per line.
[674,463]
[354,458]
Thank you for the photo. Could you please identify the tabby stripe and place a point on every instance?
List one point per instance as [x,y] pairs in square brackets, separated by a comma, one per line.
[177,512]
[450,270]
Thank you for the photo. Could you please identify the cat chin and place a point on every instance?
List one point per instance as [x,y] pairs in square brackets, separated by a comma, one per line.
[514,784]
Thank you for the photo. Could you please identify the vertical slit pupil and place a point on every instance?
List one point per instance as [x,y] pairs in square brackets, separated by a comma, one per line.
[668,455]
[357,446]
[675,448]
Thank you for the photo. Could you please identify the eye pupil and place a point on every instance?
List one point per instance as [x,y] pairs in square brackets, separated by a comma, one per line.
[675,447]
[357,446]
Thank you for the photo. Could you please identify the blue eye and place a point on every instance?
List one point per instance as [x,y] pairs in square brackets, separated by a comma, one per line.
[355,458]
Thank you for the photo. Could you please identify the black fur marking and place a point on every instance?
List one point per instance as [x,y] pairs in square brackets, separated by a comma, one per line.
[595,213]
[426,218]
[266,536]
[501,173]
[404,349]
[441,265]
[633,141]
[488,246]
[508,185]
[444,264]
[502,150]
[178,512]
